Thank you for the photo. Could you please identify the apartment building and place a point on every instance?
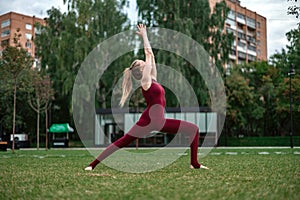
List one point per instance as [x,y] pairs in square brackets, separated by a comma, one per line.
[11,22]
[249,30]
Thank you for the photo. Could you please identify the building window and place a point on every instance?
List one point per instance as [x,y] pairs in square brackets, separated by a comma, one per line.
[252,48]
[250,22]
[258,43]
[231,14]
[241,44]
[28,36]
[240,27]
[231,23]
[5,33]
[242,55]
[241,35]
[28,45]
[258,24]
[37,31]
[240,15]
[251,58]
[250,39]
[5,23]
[250,32]
[28,26]
[258,33]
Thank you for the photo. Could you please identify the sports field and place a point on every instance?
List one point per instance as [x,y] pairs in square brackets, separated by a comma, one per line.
[234,174]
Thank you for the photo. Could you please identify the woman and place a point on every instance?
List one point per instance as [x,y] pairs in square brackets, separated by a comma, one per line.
[152,119]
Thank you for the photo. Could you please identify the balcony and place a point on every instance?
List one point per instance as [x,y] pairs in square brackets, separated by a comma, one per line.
[241,20]
[242,55]
[251,39]
[230,22]
[251,58]
[242,35]
[234,43]
[251,52]
[251,23]
[232,57]
[230,30]
[231,14]
[242,49]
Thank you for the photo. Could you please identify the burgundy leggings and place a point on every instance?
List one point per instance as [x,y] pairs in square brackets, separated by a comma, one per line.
[153,119]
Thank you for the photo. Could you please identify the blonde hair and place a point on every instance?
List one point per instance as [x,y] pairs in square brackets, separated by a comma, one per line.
[127,83]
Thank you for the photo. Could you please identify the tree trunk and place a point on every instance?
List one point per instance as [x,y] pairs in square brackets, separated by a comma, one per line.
[14,118]
[46,113]
[38,131]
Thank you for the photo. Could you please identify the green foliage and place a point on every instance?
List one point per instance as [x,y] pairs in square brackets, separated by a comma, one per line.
[283,101]
[14,63]
[259,100]
[293,37]
[67,40]
[252,141]
[290,57]
[284,62]
[42,92]
[14,68]
[294,10]
[195,19]
[40,97]
[258,93]
[219,42]
[240,101]
[265,109]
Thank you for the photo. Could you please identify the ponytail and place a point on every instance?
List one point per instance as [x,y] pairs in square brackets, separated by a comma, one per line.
[126,85]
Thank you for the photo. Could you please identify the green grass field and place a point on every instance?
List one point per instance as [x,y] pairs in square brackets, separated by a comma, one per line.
[234,174]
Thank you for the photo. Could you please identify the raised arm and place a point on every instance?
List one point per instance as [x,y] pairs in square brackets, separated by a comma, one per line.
[150,68]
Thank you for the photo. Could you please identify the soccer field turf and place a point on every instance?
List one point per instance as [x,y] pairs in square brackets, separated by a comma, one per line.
[234,174]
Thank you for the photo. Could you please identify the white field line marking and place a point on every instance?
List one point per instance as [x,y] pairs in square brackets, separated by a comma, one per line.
[263,153]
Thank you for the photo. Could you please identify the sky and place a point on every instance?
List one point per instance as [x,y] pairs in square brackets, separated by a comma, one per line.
[275,11]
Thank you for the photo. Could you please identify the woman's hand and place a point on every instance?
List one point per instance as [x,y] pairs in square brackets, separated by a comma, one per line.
[141,30]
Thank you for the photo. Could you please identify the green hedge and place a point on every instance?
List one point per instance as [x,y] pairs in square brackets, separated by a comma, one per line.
[259,141]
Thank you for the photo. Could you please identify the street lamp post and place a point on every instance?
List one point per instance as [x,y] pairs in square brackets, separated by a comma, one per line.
[292,72]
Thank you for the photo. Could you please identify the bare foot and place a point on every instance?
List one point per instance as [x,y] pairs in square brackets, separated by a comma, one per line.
[89,168]
[201,167]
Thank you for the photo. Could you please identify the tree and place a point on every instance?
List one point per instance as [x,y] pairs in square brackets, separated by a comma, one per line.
[240,100]
[293,37]
[264,79]
[283,104]
[285,61]
[59,34]
[15,62]
[195,19]
[69,37]
[40,99]
[294,10]
[220,43]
